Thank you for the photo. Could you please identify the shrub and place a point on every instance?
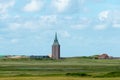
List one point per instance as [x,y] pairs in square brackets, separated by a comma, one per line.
[22,75]
[77,74]
[111,74]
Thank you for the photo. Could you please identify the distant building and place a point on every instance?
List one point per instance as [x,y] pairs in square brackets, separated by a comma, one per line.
[39,57]
[103,56]
[15,56]
[56,48]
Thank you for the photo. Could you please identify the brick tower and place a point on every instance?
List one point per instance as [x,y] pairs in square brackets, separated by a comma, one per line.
[56,48]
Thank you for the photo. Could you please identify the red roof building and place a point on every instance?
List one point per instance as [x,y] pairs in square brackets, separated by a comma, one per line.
[103,56]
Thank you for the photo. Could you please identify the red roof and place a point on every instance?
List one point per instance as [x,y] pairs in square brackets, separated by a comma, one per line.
[103,56]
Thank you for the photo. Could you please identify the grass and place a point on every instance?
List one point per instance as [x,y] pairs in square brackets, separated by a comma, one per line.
[69,67]
[54,78]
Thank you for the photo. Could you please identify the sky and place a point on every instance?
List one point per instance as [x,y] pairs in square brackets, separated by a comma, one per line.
[84,27]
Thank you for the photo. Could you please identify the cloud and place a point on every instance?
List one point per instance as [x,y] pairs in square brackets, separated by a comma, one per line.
[116,18]
[33,5]
[103,15]
[65,34]
[79,26]
[82,2]
[109,17]
[104,18]
[116,25]
[42,22]
[68,17]
[100,27]
[98,1]
[27,25]
[61,5]
[14,26]
[14,41]
[48,19]
[4,16]
[1,38]
[5,5]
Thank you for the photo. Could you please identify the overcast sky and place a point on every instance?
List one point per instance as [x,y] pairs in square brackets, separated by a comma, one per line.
[84,27]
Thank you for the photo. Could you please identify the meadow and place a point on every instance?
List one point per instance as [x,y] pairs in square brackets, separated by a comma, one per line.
[65,69]
[56,78]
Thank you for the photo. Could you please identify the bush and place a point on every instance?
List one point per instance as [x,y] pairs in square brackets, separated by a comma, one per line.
[23,75]
[111,74]
[77,74]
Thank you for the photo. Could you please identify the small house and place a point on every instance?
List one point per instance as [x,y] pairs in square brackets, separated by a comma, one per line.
[103,56]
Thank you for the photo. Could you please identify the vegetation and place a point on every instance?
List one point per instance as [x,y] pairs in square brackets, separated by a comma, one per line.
[55,78]
[77,74]
[68,67]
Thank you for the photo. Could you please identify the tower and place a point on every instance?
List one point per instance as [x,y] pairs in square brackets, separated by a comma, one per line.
[56,48]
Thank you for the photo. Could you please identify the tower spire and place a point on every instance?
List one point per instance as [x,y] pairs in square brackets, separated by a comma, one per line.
[56,39]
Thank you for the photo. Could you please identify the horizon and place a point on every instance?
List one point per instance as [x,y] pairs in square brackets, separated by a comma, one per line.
[84,28]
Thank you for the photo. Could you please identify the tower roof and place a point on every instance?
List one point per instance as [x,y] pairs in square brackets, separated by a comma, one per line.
[56,40]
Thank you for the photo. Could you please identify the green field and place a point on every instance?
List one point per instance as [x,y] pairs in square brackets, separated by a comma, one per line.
[56,78]
[77,68]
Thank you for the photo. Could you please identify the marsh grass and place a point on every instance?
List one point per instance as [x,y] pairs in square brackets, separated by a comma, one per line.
[55,78]
[64,67]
